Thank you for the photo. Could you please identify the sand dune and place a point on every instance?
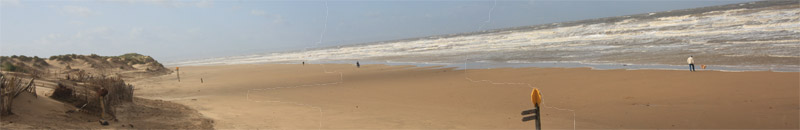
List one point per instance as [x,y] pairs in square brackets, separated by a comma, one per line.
[337,96]
[42,112]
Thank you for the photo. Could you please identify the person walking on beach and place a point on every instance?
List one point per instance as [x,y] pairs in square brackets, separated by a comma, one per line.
[358,65]
[691,63]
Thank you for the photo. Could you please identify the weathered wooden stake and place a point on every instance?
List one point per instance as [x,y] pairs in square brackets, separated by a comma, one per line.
[179,73]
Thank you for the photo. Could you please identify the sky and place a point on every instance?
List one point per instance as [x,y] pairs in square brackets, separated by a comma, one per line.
[173,30]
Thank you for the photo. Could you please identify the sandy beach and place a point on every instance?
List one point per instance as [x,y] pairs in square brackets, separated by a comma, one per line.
[399,64]
[341,96]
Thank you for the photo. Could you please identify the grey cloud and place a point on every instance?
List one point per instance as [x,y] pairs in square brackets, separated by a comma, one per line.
[77,11]
[276,18]
[10,3]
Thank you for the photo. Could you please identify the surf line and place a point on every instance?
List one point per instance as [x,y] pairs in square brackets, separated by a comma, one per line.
[574,126]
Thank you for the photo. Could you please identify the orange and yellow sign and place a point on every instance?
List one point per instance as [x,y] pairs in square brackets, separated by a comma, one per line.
[536,97]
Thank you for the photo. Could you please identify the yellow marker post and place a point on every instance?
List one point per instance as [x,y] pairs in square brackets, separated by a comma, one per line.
[536,99]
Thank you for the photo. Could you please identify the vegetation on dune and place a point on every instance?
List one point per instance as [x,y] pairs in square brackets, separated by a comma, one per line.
[16,63]
[136,58]
[129,61]
[63,58]
[129,58]
[7,66]
[22,58]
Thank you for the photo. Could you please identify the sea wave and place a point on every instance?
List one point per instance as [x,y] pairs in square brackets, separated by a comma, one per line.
[744,39]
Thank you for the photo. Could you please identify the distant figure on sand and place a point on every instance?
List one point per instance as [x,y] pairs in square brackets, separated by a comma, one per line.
[691,63]
[358,65]
[304,63]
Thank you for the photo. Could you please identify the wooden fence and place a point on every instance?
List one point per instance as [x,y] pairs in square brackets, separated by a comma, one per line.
[10,88]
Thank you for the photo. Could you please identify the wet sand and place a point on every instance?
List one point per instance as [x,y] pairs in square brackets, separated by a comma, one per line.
[338,96]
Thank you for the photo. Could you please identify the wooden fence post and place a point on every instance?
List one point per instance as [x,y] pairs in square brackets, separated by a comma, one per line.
[179,73]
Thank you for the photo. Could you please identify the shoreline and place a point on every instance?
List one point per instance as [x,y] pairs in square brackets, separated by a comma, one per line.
[552,64]
[377,96]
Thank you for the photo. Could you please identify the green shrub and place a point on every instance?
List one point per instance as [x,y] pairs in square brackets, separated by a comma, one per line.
[64,58]
[135,58]
[24,58]
[95,56]
[7,66]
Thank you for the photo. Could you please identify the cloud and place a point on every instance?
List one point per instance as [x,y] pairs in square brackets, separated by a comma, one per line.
[276,18]
[49,39]
[373,14]
[84,37]
[77,11]
[258,12]
[93,34]
[204,4]
[10,3]
[135,33]
[170,3]
[76,22]
[126,1]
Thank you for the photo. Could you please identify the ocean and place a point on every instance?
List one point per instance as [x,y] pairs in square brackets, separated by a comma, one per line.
[756,36]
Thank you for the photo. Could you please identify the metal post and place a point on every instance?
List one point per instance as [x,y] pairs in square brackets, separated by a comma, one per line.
[538,117]
[536,99]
